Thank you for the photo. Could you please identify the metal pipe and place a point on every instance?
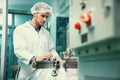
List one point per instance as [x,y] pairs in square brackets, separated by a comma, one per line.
[4,40]
[19,12]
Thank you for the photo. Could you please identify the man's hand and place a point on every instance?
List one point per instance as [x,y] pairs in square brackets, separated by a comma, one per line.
[46,56]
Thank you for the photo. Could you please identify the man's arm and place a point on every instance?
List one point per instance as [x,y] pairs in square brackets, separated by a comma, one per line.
[20,46]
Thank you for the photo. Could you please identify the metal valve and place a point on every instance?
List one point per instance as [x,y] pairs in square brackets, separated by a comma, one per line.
[56,66]
[54,73]
[66,65]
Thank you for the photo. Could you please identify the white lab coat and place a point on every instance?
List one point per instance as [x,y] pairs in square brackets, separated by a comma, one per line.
[28,43]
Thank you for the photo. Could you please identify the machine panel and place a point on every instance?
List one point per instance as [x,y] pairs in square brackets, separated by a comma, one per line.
[98,20]
[94,35]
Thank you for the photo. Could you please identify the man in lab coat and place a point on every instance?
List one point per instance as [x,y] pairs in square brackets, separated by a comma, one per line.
[32,43]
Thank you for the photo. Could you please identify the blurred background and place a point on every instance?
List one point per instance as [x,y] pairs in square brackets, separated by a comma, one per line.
[89,29]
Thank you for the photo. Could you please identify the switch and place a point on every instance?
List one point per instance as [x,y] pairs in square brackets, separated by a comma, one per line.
[86,18]
[88,22]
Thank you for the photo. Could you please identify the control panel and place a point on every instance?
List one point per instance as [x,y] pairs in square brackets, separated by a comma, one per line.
[94,35]
[93,21]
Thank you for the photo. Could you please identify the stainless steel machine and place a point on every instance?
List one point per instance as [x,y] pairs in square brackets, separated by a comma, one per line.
[65,70]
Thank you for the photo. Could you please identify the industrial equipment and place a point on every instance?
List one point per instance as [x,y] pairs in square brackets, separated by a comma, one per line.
[67,69]
[94,35]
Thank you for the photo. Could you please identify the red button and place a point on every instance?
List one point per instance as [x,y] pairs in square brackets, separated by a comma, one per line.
[77,26]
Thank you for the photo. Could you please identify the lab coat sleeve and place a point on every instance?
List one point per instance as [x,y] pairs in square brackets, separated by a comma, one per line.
[52,48]
[20,47]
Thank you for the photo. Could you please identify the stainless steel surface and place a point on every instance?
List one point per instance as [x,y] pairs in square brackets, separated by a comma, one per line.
[70,63]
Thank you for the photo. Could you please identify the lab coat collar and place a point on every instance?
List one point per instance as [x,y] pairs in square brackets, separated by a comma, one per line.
[34,26]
